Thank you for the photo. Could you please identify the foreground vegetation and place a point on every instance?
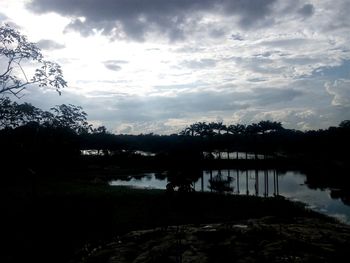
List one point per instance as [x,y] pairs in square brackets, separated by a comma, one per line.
[256,240]
[65,220]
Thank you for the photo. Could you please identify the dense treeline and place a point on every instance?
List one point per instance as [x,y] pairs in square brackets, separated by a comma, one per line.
[55,137]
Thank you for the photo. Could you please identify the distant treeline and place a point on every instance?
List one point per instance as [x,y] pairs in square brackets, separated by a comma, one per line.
[28,132]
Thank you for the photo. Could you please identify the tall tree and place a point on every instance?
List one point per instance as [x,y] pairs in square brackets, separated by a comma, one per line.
[70,117]
[15,50]
[236,129]
[345,124]
[7,113]
[269,126]
[13,114]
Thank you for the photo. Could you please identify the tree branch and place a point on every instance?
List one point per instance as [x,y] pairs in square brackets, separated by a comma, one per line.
[8,68]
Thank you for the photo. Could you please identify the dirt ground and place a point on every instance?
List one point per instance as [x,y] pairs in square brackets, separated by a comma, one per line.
[258,240]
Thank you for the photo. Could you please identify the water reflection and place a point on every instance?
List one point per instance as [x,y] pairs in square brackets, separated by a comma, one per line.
[145,180]
[250,182]
[264,183]
[235,155]
[219,183]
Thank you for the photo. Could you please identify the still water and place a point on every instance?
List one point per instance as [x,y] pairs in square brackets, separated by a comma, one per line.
[290,184]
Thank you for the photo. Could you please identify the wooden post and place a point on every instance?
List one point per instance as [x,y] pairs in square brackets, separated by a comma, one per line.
[256,183]
[278,191]
[274,182]
[246,177]
[237,181]
[202,183]
[265,184]
[228,175]
[211,179]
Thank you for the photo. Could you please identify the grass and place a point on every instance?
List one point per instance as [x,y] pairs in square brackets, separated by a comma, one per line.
[60,217]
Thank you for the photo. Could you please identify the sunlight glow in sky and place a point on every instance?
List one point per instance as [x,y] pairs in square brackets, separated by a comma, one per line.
[155,66]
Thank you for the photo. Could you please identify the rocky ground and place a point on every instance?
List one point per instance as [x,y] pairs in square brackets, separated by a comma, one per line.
[257,240]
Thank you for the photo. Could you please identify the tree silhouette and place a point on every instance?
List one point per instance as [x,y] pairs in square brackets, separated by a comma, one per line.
[269,126]
[190,130]
[7,113]
[217,127]
[16,50]
[13,115]
[345,124]
[70,117]
[236,129]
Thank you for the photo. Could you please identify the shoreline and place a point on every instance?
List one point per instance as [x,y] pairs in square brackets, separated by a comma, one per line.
[62,217]
[256,240]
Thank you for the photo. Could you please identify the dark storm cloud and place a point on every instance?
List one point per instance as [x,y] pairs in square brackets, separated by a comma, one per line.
[268,96]
[307,10]
[341,71]
[114,64]
[237,37]
[339,18]
[135,18]
[131,108]
[49,44]
[256,80]
[217,32]
[128,108]
[257,104]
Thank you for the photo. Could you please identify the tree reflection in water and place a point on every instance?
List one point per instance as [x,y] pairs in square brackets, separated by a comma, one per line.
[182,180]
[221,184]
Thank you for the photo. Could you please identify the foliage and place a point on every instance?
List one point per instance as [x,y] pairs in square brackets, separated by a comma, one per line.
[345,124]
[14,115]
[204,129]
[71,117]
[15,50]
[64,116]
[100,130]
[31,129]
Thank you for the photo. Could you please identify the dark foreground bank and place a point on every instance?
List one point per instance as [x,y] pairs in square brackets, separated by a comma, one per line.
[60,221]
[266,239]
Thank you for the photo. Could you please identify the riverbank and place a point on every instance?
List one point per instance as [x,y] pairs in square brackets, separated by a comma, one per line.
[266,239]
[62,221]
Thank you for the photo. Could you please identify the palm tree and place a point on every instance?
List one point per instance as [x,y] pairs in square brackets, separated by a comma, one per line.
[236,129]
[252,130]
[188,131]
[216,128]
[269,126]
[202,128]
[345,124]
[192,130]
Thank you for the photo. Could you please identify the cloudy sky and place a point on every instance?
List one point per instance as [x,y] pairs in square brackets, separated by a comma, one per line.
[139,66]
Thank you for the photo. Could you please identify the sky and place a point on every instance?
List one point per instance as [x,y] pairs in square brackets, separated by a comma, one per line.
[142,66]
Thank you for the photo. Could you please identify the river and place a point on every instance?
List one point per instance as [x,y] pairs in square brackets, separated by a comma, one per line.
[290,184]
